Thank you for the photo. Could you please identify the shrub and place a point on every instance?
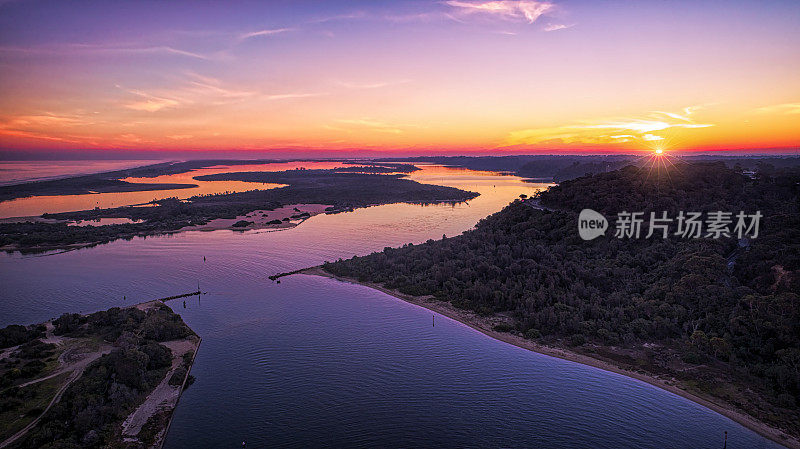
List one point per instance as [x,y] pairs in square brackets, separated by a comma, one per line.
[503,327]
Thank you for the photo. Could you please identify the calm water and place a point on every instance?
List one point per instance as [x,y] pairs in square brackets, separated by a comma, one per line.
[37,205]
[316,362]
[12,172]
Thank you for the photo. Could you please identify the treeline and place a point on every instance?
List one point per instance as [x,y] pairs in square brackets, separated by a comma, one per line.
[717,302]
[81,185]
[561,168]
[339,189]
[376,167]
[557,167]
[93,406]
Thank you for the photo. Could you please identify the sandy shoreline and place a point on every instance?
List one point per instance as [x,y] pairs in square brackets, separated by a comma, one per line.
[289,216]
[157,409]
[485,324]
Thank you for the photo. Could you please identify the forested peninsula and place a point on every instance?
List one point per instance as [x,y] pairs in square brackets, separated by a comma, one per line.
[718,318]
[107,379]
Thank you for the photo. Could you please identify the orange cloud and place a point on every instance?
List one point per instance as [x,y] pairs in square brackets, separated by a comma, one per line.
[785,108]
[605,131]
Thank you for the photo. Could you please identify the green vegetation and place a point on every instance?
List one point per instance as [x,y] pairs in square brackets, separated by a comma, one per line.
[20,406]
[82,187]
[339,188]
[93,406]
[377,167]
[344,191]
[25,363]
[15,334]
[720,316]
[157,324]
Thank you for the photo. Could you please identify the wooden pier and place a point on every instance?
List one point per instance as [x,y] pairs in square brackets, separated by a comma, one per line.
[288,273]
[197,293]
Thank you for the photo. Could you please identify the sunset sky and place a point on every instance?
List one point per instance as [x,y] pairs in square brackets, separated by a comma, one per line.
[416,77]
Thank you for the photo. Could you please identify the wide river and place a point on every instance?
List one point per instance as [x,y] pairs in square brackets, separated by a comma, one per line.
[316,362]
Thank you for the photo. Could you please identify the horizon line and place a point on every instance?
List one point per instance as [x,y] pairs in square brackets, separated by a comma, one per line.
[8,155]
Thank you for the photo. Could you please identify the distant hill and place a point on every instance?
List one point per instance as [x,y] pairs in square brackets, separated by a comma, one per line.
[564,167]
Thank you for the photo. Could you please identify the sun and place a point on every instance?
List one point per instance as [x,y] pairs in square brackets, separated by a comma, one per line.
[659,151]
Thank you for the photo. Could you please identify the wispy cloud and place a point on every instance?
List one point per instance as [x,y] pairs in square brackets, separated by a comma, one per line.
[44,126]
[130,138]
[261,33]
[196,90]
[642,125]
[374,85]
[618,130]
[417,17]
[685,117]
[351,125]
[525,10]
[293,95]
[784,108]
[348,16]
[165,49]
[46,119]
[147,102]
[557,26]
[372,124]
[33,135]
[205,86]
[92,49]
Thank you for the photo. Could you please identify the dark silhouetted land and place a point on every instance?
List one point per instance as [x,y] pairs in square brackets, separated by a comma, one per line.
[343,190]
[718,318]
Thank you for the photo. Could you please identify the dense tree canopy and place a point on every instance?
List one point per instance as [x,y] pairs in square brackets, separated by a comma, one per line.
[111,387]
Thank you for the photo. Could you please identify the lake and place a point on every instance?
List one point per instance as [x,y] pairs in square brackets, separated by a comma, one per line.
[316,362]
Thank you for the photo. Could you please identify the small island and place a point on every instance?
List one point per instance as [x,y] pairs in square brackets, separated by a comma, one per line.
[106,379]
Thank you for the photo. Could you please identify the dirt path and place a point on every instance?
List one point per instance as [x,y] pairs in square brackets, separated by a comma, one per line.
[75,374]
[79,365]
[75,366]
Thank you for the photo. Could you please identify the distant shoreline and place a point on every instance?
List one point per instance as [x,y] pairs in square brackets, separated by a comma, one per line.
[484,326]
